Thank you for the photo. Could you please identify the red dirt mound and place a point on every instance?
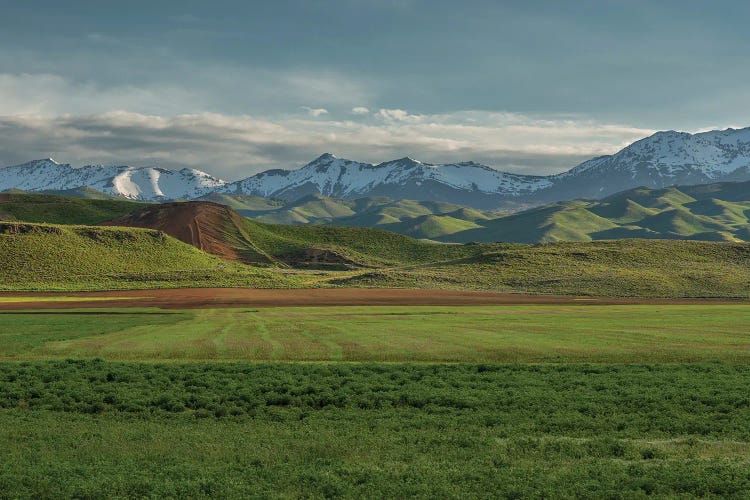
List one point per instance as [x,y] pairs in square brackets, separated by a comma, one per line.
[206,225]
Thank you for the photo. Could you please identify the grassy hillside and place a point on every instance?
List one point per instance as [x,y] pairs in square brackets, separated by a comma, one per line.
[84,192]
[431,226]
[35,256]
[568,221]
[40,256]
[419,219]
[220,230]
[716,212]
[632,267]
[362,246]
[244,202]
[54,209]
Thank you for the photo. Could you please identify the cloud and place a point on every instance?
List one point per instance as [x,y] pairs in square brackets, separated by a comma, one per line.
[398,115]
[360,110]
[238,146]
[315,111]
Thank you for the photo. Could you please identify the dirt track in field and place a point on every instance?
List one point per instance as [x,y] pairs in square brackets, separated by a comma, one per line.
[244,297]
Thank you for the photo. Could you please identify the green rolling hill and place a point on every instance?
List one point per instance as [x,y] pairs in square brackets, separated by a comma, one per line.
[56,209]
[207,244]
[628,267]
[220,230]
[715,212]
[707,212]
[45,256]
[244,202]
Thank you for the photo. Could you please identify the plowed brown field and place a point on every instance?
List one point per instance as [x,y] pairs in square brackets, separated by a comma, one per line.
[244,297]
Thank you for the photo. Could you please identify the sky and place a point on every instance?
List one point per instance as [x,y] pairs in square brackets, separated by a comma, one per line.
[234,88]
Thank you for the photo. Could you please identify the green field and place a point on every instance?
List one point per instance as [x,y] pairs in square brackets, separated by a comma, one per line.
[564,401]
[97,429]
[525,333]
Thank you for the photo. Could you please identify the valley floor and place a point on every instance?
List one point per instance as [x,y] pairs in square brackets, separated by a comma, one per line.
[517,396]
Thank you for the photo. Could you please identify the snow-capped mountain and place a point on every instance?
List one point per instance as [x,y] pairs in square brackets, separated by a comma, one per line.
[663,159]
[404,178]
[144,183]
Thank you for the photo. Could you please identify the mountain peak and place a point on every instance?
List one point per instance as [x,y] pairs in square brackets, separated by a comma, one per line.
[43,161]
[408,159]
[324,157]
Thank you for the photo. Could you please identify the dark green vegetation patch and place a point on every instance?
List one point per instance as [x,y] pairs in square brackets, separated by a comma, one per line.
[96,429]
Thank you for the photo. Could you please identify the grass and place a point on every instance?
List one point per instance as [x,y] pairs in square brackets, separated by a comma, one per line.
[369,247]
[716,212]
[517,334]
[38,257]
[629,268]
[99,429]
[55,209]
[597,402]
[50,257]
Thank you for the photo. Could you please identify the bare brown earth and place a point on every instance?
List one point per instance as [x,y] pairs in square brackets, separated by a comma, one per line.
[243,297]
[203,224]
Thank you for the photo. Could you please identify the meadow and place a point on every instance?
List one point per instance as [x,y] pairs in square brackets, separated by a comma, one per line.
[516,401]
[507,334]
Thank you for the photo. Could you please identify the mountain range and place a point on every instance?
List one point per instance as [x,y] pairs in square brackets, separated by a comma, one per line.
[661,160]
